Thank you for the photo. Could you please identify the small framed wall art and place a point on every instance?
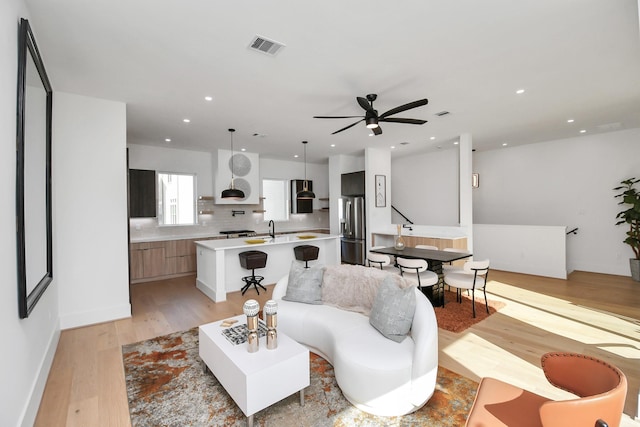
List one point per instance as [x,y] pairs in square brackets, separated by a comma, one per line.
[381,191]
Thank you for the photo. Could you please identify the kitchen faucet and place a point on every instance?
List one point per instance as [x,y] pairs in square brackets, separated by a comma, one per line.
[272,229]
[407,226]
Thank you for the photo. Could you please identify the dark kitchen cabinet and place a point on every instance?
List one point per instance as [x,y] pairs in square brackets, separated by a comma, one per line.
[352,184]
[142,193]
[297,205]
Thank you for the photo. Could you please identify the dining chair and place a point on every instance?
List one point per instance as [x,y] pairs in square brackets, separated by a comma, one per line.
[434,248]
[450,268]
[381,261]
[420,268]
[474,277]
[601,389]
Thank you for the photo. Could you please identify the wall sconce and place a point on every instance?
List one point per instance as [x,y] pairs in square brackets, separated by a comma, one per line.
[475,180]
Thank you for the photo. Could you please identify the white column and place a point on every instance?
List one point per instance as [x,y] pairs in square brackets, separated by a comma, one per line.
[377,162]
[466,198]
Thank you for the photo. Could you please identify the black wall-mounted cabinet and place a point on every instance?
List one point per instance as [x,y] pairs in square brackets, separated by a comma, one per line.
[352,184]
[142,193]
[297,205]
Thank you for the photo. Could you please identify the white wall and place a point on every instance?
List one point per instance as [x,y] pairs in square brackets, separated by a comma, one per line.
[425,187]
[90,209]
[528,249]
[564,182]
[283,169]
[30,343]
[173,160]
[377,162]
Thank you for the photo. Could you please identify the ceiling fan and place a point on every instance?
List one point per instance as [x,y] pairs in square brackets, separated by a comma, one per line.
[372,118]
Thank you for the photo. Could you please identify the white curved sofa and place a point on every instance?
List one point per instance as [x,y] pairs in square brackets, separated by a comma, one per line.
[377,375]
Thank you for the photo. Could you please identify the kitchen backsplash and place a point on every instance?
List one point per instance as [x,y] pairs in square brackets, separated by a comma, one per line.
[222,219]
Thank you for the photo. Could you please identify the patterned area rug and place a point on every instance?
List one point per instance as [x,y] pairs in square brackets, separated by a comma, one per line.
[166,386]
[456,317]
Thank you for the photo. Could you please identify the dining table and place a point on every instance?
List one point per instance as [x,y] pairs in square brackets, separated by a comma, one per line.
[435,259]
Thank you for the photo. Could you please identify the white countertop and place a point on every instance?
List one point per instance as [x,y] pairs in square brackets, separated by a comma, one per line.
[209,235]
[241,242]
[433,231]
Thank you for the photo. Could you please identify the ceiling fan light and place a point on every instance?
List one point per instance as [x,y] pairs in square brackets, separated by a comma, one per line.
[372,122]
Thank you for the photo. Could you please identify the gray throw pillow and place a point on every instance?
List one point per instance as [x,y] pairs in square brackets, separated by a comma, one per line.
[305,284]
[393,310]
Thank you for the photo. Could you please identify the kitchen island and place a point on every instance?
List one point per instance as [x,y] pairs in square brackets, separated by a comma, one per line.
[218,263]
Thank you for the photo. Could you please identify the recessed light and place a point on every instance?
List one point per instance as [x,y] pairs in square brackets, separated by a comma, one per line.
[208,98]
[456,142]
[583,131]
[296,156]
[167,140]
[243,149]
[570,121]
[504,144]
[393,146]
[333,145]
[520,91]
[186,120]
[432,138]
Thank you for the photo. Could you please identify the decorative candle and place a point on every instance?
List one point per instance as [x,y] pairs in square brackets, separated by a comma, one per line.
[251,309]
[270,318]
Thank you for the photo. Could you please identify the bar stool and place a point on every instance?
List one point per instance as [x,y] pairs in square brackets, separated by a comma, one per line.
[252,260]
[306,253]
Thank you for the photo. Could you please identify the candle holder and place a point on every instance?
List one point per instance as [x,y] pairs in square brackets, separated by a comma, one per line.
[251,309]
[270,318]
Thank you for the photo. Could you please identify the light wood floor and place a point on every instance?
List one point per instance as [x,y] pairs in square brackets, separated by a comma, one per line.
[589,313]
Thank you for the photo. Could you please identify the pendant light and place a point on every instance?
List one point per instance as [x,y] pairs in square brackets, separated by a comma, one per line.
[232,192]
[305,193]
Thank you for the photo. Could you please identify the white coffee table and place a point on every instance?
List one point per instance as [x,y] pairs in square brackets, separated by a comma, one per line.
[255,380]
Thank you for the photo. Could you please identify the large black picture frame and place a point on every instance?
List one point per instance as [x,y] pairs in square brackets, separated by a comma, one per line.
[33,174]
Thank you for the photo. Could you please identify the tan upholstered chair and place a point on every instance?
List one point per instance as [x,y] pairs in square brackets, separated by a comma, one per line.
[601,389]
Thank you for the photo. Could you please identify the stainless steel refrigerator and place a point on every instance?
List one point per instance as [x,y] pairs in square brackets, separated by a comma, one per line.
[352,220]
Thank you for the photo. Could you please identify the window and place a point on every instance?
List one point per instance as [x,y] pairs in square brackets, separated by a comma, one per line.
[176,198]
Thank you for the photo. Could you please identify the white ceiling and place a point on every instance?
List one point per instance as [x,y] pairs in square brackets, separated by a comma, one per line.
[576,59]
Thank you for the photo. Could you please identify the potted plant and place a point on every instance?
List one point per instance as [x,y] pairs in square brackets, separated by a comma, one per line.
[630,198]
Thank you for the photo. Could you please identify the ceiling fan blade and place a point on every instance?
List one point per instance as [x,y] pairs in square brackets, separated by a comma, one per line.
[336,117]
[405,107]
[408,121]
[365,104]
[347,127]
[377,131]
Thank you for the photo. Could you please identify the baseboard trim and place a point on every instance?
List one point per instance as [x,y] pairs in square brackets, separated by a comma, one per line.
[35,396]
[208,291]
[92,317]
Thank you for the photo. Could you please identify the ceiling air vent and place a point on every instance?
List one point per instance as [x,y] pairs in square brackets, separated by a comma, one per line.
[264,45]
[442,113]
